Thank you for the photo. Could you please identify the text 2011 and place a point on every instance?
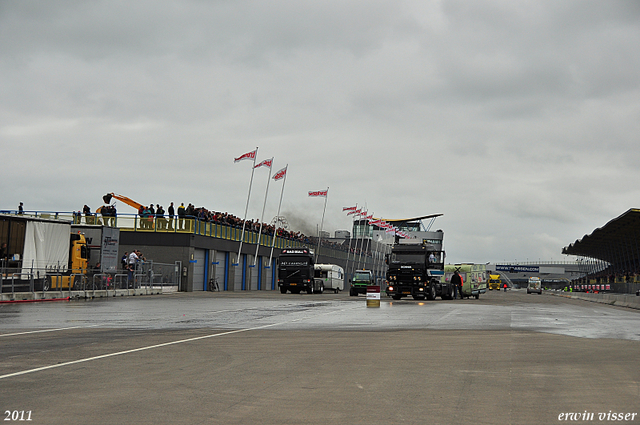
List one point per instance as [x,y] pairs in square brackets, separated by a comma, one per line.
[17,415]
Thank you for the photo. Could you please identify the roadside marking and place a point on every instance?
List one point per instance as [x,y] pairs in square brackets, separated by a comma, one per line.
[47,330]
[150,347]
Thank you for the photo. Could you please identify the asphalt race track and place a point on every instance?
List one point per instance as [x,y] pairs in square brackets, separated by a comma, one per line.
[269,358]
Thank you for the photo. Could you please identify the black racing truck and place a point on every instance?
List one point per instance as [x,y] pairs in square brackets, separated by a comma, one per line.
[361,279]
[415,269]
[296,272]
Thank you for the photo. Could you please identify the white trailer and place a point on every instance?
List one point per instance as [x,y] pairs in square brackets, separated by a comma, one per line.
[332,276]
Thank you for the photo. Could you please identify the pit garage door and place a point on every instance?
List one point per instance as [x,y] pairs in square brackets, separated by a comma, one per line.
[220,267]
[198,270]
[237,270]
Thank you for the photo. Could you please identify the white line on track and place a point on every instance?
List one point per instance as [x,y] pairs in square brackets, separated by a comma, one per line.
[48,330]
[150,347]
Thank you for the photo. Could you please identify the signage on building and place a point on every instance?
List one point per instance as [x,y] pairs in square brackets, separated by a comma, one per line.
[510,268]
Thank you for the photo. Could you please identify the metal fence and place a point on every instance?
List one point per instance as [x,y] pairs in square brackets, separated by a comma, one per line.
[146,275]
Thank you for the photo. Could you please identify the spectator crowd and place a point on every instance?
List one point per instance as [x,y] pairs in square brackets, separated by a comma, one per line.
[174,219]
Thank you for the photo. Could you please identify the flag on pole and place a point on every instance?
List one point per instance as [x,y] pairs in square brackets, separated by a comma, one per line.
[266,163]
[319,193]
[352,212]
[280,174]
[349,208]
[249,155]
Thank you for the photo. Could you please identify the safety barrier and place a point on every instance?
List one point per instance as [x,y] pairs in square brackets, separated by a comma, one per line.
[619,300]
[147,278]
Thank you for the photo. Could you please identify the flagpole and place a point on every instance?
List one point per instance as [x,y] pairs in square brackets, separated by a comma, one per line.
[255,257]
[246,208]
[373,253]
[275,230]
[378,260]
[322,224]
[359,215]
[361,241]
[349,252]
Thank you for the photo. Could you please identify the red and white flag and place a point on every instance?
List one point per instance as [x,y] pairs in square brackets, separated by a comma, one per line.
[265,163]
[349,208]
[248,155]
[369,217]
[280,174]
[319,193]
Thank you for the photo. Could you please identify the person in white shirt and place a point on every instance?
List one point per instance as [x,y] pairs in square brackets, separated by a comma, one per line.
[132,260]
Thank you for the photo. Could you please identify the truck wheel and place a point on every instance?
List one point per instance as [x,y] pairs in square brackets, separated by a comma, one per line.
[353,293]
[396,297]
[477,296]
[431,293]
[283,290]
[320,289]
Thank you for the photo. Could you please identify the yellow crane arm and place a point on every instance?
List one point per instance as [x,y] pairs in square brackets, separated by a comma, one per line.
[128,201]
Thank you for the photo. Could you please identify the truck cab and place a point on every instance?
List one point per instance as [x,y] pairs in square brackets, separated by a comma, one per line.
[534,286]
[296,272]
[415,269]
[494,282]
[361,279]
[77,268]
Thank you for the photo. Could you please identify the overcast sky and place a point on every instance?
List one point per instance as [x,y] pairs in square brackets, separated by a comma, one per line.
[519,121]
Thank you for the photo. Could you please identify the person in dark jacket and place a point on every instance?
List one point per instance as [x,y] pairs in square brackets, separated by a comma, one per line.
[456,280]
[171,213]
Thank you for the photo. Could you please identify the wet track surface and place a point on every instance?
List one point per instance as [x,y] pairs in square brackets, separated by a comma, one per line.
[269,358]
[514,310]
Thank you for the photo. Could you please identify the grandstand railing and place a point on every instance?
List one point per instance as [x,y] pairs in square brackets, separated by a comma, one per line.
[190,225]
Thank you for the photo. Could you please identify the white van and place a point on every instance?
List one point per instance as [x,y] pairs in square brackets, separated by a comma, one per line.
[535,285]
[332,276]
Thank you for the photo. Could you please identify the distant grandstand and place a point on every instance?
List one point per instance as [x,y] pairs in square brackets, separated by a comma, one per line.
[611,254]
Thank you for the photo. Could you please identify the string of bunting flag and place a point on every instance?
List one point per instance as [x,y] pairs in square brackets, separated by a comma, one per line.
[364,215]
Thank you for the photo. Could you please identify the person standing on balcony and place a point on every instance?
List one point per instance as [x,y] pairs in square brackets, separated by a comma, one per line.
[172,214]
[160,220]
[181,216]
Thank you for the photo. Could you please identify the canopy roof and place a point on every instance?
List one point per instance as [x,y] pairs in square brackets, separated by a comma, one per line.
[404,220]
[615,242]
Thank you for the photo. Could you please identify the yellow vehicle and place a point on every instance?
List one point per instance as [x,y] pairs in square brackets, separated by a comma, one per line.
[78,259]
[494,282]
